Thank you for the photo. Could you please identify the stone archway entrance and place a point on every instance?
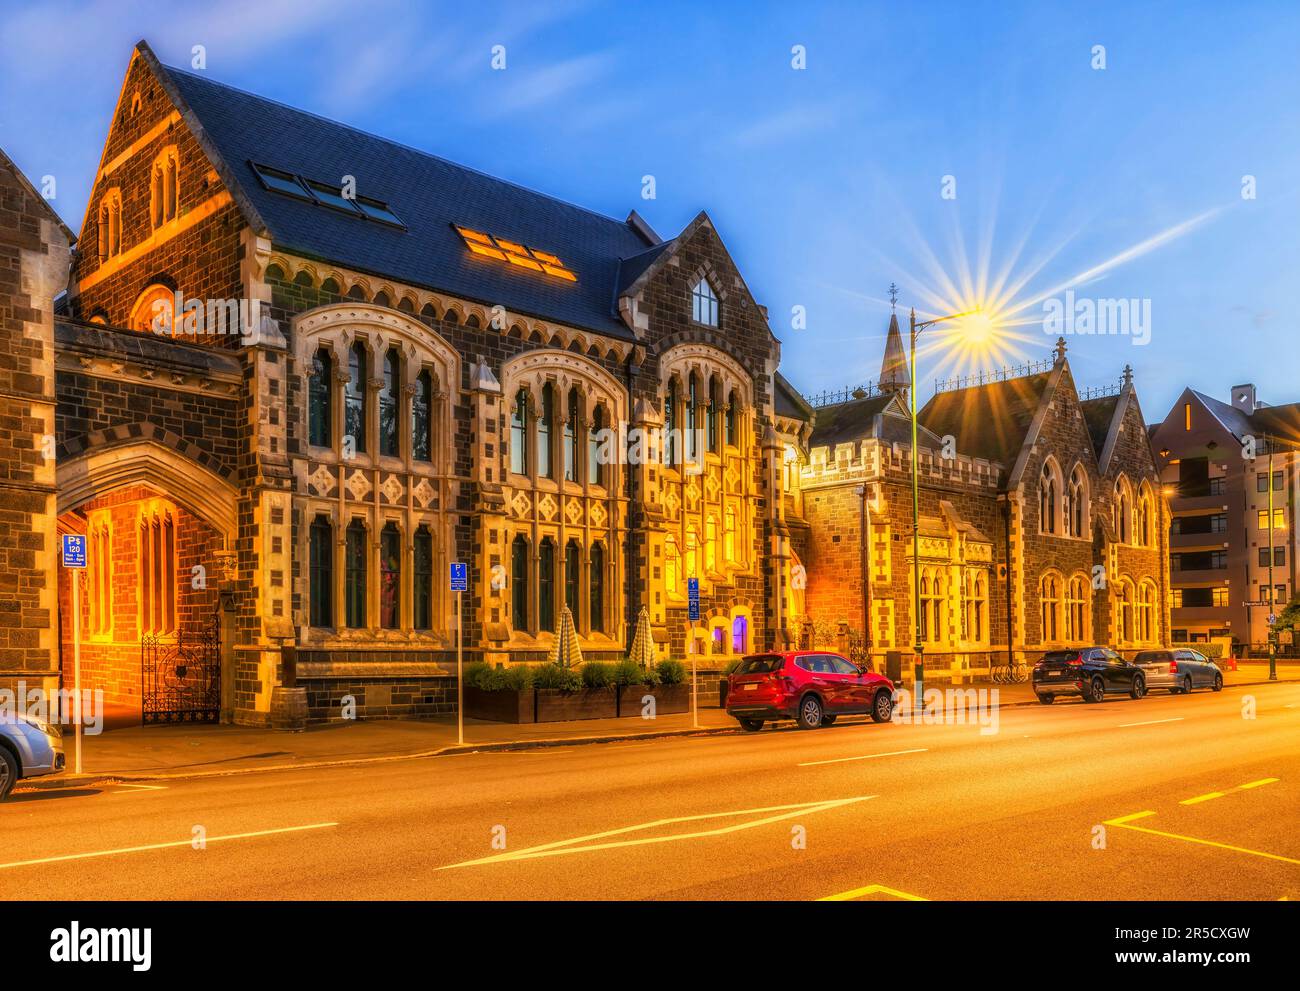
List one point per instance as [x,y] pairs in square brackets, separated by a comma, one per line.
[154,598]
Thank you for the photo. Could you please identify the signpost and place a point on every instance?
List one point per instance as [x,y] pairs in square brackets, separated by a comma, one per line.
[459,584]
[693,605]
[74,556]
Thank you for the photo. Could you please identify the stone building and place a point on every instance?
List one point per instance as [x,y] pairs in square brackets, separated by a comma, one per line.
[34,252]
[1041,519]
[301,369]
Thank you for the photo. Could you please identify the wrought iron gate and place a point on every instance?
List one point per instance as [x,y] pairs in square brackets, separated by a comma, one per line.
[180,678]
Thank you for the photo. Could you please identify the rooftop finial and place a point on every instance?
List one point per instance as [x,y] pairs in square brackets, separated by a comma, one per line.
[893,297]
[1128,376]
[1060,350]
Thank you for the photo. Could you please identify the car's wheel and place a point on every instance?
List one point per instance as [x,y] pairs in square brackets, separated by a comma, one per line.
[1139,687]
[1187,685]
[882,707]
[1096,691]
[8,773]
[750,725]
[1218,683]
[828,720]
[810,712]
[1047,699]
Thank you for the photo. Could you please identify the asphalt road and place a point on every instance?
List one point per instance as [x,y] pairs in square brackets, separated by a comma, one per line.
[1042,808]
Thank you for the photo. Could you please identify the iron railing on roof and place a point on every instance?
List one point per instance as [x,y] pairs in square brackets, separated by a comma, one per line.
[1101,391]
[1003,374]
[832,397]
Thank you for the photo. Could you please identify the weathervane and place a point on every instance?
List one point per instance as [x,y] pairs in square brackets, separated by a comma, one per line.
[893,296]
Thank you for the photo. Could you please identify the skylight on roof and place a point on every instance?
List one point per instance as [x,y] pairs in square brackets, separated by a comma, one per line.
[516,254]
[323,194]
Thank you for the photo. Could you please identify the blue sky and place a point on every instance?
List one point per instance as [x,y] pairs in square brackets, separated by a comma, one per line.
[825,183]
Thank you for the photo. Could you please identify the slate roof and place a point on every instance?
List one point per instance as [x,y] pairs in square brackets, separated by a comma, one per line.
[1098,414]
[787,401]
[989,421]
[1235,421]
[842,423]
[1280,422]
[429,194]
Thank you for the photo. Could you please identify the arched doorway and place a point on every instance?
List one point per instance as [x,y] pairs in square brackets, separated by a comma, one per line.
[154,628]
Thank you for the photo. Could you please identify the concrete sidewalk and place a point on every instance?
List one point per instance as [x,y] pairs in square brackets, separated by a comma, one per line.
[143,753]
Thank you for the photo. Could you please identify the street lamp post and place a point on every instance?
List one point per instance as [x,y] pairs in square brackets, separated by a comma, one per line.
[918,646]
[1272,589]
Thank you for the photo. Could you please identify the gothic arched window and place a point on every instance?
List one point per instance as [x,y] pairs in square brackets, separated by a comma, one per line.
[704,304]
[422,418]
[320,396]
[596,605]
[354,399]
[389,394]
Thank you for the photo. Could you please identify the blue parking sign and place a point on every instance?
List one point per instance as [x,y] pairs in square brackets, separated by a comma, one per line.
[74,550]
[693,598]
[459,577]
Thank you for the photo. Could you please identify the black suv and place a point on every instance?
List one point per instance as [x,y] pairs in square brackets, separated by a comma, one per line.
[1092,672]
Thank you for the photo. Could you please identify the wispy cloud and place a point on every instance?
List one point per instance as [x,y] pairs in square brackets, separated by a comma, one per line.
[525,88]
[786,125]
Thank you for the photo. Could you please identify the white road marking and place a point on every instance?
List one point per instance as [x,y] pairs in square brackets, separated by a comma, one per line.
[841,760]
[1152,722]
[164,846]
[562,847]
[128,784]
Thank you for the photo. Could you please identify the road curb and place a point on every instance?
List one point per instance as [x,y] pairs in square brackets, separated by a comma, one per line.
[60,782]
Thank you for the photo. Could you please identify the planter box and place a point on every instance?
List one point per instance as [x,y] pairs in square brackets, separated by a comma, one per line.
[500,707]
[554,705]
[668,699]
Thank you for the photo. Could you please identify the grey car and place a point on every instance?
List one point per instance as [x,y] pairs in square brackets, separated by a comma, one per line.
[1179,670]
[28,748]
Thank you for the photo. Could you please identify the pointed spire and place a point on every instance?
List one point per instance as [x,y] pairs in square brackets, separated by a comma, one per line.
[894,376]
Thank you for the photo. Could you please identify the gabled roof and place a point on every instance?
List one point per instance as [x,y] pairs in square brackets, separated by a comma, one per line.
[991,420]
[856,419]
[1280,422]
[787,402]
[429,194]
[7,164]
[1235,421]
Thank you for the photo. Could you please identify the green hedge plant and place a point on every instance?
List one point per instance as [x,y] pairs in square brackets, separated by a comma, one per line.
[597,674]
[554,676]
[671,672]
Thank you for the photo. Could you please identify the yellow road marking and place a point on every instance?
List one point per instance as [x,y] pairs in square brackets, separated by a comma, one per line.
[841,760]
[164,846]
[1257,784]
[1124,821]
[872,889]
[561,847]
[1201,798]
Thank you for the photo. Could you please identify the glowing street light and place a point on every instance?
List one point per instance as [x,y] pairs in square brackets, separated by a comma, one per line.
[977,329]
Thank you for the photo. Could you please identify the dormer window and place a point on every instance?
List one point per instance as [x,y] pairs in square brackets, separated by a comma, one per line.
[110,225]
[163,188]
[704,304]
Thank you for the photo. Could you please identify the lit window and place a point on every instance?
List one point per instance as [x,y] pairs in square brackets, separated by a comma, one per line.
[1076,606]
[514,253]
[157,574]
[704,304]
[1051,604]
[99,540]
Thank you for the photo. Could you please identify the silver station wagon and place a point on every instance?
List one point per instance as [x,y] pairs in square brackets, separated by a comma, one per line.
[1179,670]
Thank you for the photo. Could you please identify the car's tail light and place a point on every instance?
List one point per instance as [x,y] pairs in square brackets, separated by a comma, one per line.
[1173,667]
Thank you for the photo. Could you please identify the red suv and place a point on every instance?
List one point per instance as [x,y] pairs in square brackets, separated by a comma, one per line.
[812,687]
